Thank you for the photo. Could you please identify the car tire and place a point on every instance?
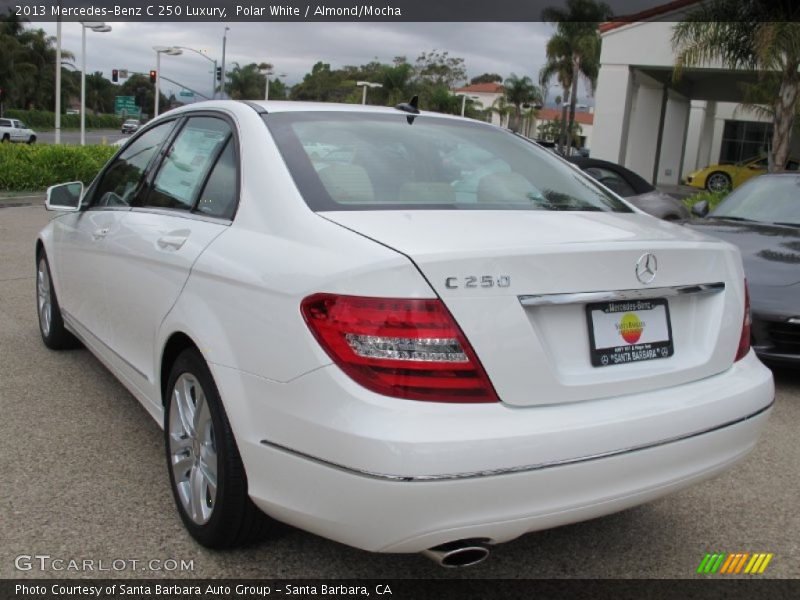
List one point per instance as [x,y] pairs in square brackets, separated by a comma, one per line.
[718,182]
[51,324]
[6,138]
[208,481]
[32,139]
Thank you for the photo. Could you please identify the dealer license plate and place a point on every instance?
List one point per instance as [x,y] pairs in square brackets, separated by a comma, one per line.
[629,331]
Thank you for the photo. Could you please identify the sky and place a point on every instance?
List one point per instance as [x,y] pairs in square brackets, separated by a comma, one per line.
[293,48]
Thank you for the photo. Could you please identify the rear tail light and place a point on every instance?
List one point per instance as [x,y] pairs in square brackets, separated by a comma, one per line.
[744,340]
[405,348]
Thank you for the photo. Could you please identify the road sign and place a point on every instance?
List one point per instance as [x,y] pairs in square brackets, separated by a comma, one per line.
[187,93]
[123,73]
[125,104]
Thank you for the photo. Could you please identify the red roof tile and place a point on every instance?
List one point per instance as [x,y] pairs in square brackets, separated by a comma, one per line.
[646,14]
[486,88]
[554,114]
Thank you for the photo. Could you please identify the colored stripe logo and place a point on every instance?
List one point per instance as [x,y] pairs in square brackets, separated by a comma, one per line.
[735,563]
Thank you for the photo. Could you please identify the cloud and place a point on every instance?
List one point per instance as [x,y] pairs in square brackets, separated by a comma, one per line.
[293,48]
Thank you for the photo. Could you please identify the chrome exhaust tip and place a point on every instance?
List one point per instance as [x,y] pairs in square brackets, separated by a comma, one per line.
[461,553]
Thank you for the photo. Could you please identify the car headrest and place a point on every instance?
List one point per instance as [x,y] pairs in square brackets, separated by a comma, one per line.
[347,184]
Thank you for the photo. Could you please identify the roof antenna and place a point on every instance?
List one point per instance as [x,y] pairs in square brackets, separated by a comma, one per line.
[410,107]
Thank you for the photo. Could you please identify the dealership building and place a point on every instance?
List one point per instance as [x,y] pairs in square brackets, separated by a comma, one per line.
[664,129]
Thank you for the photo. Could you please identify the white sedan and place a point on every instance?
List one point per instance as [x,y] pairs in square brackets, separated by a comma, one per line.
[342,323]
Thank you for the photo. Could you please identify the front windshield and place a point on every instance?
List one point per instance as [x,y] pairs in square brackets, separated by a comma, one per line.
[363,161]
[765,199]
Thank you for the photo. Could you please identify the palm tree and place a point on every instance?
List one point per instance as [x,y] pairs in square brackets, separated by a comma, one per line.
[502,109]
[577,40]
[762,36]
[558,66]
[520,91]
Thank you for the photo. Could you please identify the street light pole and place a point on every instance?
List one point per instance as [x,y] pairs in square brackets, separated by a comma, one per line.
[213,73]
[159,50]
[224,43]
[99,28]
[57,139]
[158,80]
[364,85]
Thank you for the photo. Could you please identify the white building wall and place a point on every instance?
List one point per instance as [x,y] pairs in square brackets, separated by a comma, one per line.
[613,98]
[643,129]
[672,141]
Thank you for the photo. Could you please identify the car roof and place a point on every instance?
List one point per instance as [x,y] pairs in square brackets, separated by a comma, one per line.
[282,106]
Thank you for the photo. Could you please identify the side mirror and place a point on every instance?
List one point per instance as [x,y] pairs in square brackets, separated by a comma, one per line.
[700,209]
[65,197]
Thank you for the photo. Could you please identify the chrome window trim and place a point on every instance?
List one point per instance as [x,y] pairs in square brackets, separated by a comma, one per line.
[185,214]
[618,295]
[512,470]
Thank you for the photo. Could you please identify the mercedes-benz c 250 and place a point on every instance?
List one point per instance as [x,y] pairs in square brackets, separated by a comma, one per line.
[399,330]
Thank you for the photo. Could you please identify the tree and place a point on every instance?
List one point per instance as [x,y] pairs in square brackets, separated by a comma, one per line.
[486,78]
[100,93]
[551,130]
[143,92]
[27,61]
[520,91]
[502,109]
[323,85]
[576,40]
[762,35]
[435,69]
[559,66]
[247,82]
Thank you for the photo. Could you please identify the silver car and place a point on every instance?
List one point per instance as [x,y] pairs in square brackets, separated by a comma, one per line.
[633,188]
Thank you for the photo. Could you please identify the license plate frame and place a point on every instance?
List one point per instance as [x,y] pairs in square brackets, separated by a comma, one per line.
[645,313]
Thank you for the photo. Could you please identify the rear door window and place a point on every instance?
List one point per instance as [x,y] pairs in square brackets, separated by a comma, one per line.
[188,162]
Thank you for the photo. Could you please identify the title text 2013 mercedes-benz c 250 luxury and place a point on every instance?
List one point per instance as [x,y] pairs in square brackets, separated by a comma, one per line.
[399,330]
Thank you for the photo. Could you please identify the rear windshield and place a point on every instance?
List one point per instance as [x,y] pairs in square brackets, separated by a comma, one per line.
[362,161]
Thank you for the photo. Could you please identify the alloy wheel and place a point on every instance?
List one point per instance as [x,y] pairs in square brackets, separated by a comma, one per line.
[718,182]
[43,297]
[193,453]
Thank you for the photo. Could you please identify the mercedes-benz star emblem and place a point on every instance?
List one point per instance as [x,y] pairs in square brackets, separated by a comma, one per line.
[646,267]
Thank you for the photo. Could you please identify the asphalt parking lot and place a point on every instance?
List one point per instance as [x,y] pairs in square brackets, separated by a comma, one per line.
[83,477]
[73,137]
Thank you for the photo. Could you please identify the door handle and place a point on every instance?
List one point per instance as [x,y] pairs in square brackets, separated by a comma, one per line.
[100,233]
[171,242]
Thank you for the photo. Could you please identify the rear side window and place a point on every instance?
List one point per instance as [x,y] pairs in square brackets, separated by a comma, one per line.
[124,176]
[218,198]
[612,180]
[187,163]
[362,161]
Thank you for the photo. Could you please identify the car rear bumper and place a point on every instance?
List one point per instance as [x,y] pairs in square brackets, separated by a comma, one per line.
[394,487]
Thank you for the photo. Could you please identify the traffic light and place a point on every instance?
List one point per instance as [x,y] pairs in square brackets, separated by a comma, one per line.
[2,95]
[153,76]
[114,75]
[219,73]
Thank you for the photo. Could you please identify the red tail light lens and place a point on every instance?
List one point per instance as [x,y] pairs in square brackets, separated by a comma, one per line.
[405,348]
[744,340]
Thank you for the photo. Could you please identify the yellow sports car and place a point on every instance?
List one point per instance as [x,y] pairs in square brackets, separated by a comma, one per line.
[718,178]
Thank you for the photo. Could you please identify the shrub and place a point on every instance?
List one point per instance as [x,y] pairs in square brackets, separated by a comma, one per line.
[43,119]
[713,198]
[24,167]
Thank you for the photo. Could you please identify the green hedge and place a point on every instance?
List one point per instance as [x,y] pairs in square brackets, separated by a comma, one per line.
[43,119]
[24,167]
